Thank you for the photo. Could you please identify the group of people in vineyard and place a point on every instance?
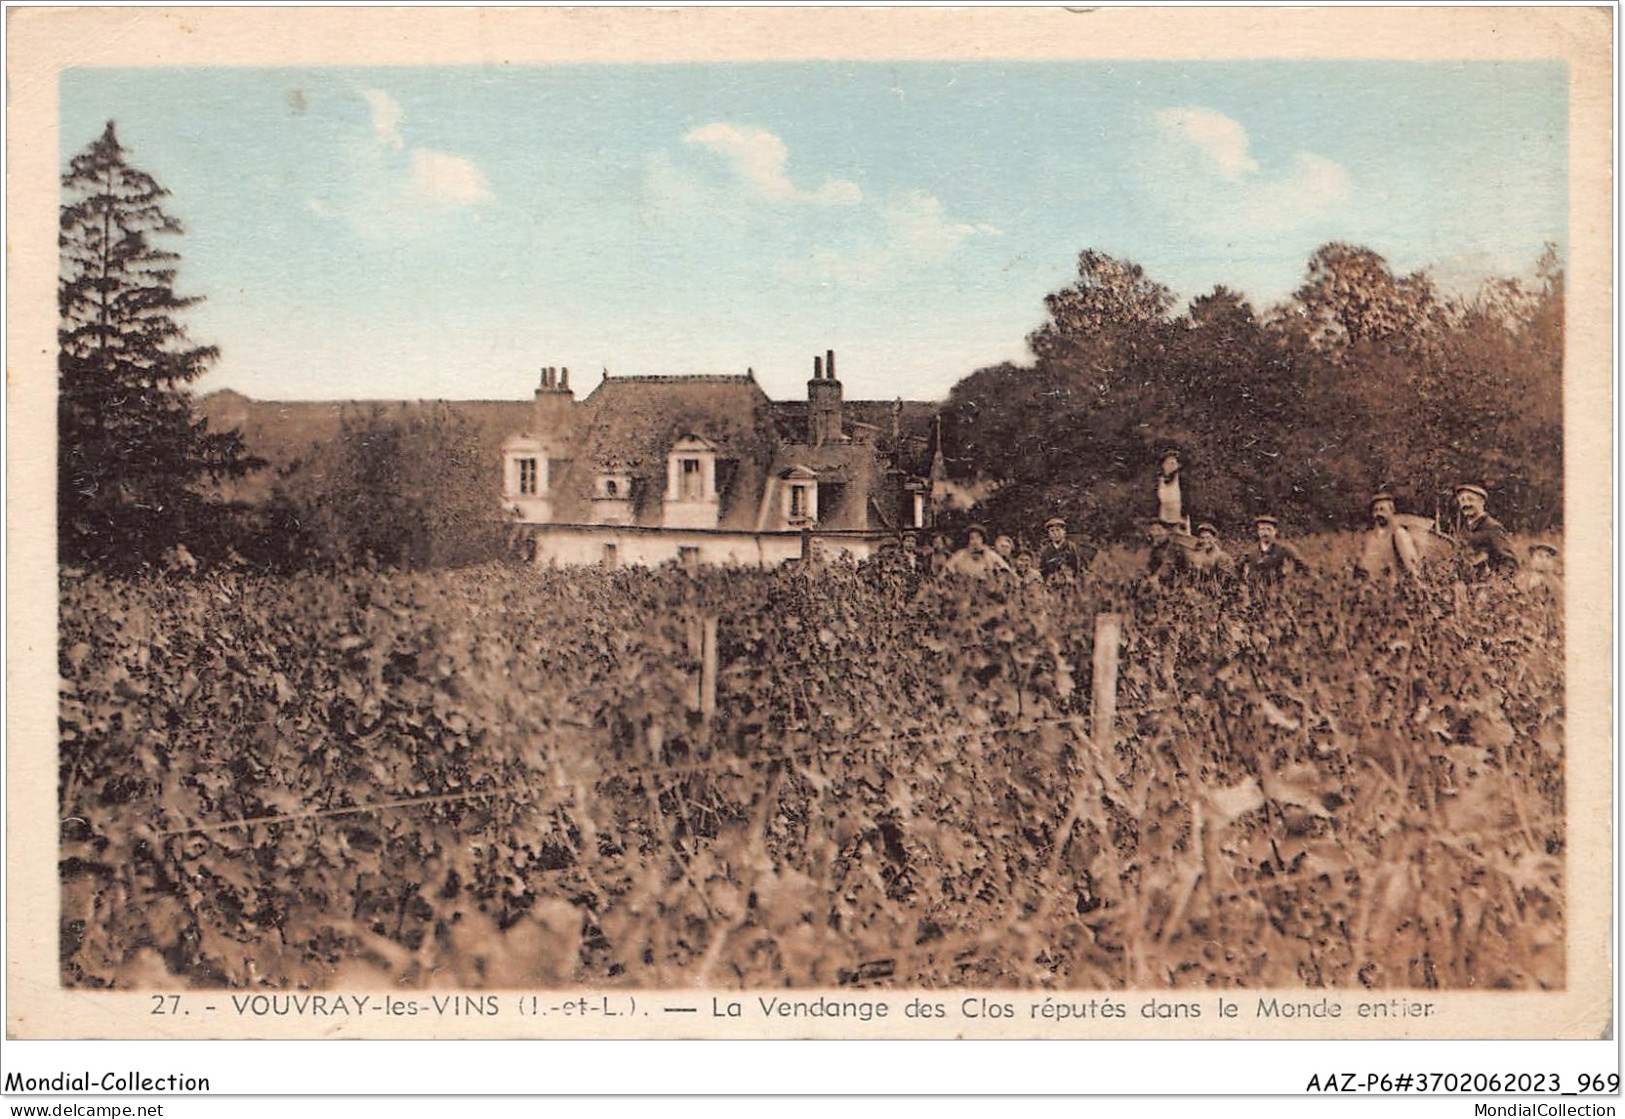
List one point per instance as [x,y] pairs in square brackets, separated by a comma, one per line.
[1058,558]
[1395,545]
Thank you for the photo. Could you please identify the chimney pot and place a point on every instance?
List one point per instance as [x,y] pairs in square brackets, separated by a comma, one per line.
[818,368]
[564,378]
[829,364]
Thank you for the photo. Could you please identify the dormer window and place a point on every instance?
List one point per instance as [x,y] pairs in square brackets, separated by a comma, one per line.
[693,479]
[612,498]
[526,482]
[691,497]
[800,497]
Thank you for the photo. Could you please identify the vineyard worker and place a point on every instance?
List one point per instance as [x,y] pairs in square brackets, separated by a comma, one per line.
[1543,568]
[1207,556]
[1489,549]
[909,548]
[1389,546]
[1171,528]
[1059,558]
[1274,558]
[976,558]
[1027,569]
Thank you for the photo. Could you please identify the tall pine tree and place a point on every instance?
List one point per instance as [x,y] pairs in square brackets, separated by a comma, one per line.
[132,458]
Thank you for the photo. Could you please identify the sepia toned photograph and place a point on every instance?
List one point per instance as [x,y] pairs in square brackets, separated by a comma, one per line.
[1006,537]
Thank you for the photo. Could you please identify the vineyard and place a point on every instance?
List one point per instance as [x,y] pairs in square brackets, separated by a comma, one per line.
[518,778]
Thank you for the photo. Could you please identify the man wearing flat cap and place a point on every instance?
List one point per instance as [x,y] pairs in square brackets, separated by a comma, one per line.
[1274,558]
[1488,547]
[1542,568]
[1059,558]
[1208,557]
[1390,546]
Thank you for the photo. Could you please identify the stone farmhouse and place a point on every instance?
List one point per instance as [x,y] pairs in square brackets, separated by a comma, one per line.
[658,468]
[708,469]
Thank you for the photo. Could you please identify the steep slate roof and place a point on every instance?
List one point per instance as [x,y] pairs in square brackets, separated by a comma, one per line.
[871,419]
[629,425]
[860,468]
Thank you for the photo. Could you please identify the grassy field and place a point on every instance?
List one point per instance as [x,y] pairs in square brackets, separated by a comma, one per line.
[507,777]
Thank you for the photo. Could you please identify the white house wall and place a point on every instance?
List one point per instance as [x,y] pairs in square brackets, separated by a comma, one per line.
[532,510]
[579,545]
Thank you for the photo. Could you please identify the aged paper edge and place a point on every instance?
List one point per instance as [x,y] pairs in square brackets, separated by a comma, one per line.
[43,42]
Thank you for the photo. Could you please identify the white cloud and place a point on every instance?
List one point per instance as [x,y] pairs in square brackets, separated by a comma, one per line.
[440,177]
[1199,166]
[1218,138]
[916,234]
[1312,186]
[829,234]
[395,188]
[386,118]
[759,158]
[922,230]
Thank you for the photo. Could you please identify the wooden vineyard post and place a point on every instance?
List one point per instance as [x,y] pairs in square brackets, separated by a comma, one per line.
[1103,707]
[708,669]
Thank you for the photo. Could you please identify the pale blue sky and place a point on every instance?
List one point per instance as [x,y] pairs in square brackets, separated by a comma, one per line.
[444,232]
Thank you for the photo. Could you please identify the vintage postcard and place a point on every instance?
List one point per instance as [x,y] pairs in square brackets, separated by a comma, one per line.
[810,523]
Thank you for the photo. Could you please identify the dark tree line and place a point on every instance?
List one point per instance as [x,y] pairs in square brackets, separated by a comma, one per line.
[1364,379]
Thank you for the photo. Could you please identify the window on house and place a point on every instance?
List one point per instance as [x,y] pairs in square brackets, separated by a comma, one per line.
[800,508]
[690,557]
[528,476]
[610,556]
[693,484]
[612,488]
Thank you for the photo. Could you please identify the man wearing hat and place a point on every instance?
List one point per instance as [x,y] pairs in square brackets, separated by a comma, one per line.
[976,558]
[1059,558]
[1274,557]
[1389,548]
[1207,556]
[1489,549]
[1543,568]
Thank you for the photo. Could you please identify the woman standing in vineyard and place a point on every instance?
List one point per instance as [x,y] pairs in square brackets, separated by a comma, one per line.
[976,558]
[1171,526]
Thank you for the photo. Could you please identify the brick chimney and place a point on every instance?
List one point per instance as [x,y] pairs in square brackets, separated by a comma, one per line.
[555,402]
[824,402]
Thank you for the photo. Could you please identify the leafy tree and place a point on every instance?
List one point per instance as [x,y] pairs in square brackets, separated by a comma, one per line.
[132,456]
[1501,419]
[1351,297]
[1113,301]
[1365,379]
[407,489]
